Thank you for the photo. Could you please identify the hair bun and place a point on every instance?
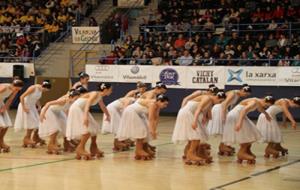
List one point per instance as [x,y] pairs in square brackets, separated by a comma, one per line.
[162,97]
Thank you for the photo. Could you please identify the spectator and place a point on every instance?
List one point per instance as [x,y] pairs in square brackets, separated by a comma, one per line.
[92,22]
[180,42]
[186,59]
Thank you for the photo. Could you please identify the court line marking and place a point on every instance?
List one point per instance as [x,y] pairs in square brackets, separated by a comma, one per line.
[63,160]
[220,187]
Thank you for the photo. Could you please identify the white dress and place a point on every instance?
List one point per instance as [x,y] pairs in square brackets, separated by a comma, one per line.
[134,123]
[183,130]
[29,120]
[270,130]
[115,110]
[247,134]
[75,127]
[55,120]
[215,125]
[5,120]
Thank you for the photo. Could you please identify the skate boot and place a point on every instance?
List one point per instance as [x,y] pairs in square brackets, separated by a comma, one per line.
[68,147]
[142,155]
[28,143]
[270,151]
[204,153]
[244,156]
[194,160]
[120,146]
[83,155]
[52,149]
[38,140]
[4,148]
[225,150]
[95,152]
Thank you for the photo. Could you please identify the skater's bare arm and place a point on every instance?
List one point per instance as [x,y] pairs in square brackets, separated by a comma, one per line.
[104,109]
[153,120]
[48,104]
[2,88]
[243,114]
[199,109]
[225,105]
[9,101]
[131,93]
[288,114]
[30,90]
[190,97]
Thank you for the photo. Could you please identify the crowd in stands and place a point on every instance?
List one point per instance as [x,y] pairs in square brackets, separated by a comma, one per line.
[27,26]
[251,33]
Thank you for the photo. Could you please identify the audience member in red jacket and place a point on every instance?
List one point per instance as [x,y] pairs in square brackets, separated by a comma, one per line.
[180,42]
[278,12]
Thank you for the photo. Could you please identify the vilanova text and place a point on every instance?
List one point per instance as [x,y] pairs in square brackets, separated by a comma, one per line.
[205,77]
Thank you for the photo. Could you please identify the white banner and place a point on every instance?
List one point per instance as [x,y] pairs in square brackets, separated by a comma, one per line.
[89,35]
[134,73]
[288,76]
[201,77]
[6,69]
[260,76]
[197,77]
[130,3]
[102,73]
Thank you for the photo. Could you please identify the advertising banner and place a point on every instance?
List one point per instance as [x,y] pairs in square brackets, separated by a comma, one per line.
[81,35]
[7,69]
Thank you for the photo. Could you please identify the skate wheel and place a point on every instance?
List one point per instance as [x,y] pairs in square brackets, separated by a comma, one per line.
[275,155]
[100,155]
[6,150]
[251,162]
[188,163]
[239,161]
[267,156]
[137,157]
[116,149]
[87,158]
[49,152]
[24,146]
[78,157]
[221,153]
[183,157]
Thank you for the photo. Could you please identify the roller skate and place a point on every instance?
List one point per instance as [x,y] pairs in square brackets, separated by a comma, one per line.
[244,156]
[204,153]
[95,152]
[225,150]
[38,140]
[4,148]
[28,143]
[68,147]
[83,155]
[153,148]
[120,146]
[194,160]
[282,150]
[148,150]
[206,146]
[129,142]
[270,151]
[142,155]
[52,149]
[232,149]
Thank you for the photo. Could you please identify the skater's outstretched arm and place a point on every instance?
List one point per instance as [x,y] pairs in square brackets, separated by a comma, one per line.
[191,96]
[243,114]
[104,109]
[131,93]
[225,105]
[8,102]
[29,91]
[202,104]
[288,114]
[60,101]
[153,120]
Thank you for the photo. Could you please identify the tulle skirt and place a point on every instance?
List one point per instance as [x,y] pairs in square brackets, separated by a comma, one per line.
[27,120]
[115,117]
[183,130]
[269,130]
[215,125]
[133,124]
[75,126]
[4,118]
[247,134]
[55,121]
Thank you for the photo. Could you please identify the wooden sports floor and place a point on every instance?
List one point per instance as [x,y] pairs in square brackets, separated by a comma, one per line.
[33,169]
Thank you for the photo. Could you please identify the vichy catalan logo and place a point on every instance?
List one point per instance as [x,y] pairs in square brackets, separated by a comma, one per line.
[235,75]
